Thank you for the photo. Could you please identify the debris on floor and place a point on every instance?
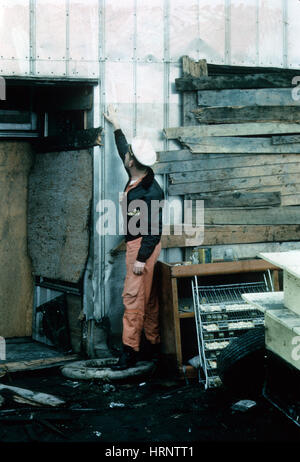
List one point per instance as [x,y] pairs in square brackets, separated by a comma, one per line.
[154,410]
[31,396]
[243,405]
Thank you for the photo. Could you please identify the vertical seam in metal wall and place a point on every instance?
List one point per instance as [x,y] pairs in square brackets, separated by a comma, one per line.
[100,243]
[135,69]
[257,32]
[227,32]
[67,57]
[285,32]
[198,30]
[32,39]
[166,109]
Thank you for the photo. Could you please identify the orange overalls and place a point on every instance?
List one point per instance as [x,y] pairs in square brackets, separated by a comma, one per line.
[140,296]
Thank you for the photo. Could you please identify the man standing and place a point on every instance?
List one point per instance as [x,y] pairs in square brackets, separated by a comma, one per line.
[142,246]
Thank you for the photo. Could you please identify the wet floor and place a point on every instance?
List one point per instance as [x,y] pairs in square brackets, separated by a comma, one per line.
[148,409]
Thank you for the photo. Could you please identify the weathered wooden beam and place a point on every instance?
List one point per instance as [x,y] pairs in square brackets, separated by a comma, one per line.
[236,145]
[228,174]
[258,216]
[239,234]
[257,97]
[239,81]
[236,234]
[189,99]
[286,140]
[193,68]
[237,199]
[79,139]
[64,98]
[235,184]
[169,156]
[240,129]
[211,161]
[210,269]
[217,69]
[242,114]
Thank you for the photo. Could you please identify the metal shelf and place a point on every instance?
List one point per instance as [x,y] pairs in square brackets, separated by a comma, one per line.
[221,310]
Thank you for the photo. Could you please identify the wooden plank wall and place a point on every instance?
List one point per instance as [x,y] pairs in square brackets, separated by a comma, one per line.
[240,151]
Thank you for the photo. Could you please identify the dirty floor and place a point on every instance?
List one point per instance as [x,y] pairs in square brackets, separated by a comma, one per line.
[148,409]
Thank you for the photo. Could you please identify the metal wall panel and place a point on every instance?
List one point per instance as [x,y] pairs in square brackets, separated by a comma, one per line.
[83,30]
[243,32]
[293,29]
[150,99]
[51,37]
[270,36]
[119,22]
[149,30]
[184,28]
[14,37]
[212,31]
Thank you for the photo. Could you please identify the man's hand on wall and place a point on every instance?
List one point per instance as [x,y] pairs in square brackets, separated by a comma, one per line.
[111,116]
[138,267]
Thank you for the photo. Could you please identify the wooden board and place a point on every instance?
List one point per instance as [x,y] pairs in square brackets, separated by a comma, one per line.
[284,260]
[253,183]
[257,97]
[215,162]
[242,234]
[227,174]
[242,114]
[265,301]
[266,128]
[62,98]
[237,199]
[16,281]
[169,316]
[211,269]
[221,82]
[231,145]
[260,216]
[189,99]
[285,140]
[170,156]
[35,364]
[74,140]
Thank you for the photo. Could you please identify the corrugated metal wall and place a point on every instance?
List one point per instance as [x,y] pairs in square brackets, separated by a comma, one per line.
[135,49]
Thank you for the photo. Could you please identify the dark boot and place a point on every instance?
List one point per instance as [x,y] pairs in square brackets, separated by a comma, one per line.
[127,359]
[149,351]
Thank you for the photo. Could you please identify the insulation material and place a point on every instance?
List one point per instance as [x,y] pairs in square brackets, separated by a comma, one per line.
[16,284]
[60,193]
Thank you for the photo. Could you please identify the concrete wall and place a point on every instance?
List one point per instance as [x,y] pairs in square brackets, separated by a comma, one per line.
[16,283]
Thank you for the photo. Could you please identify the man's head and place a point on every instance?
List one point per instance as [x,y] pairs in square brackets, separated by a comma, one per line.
[140,154]
[132,162]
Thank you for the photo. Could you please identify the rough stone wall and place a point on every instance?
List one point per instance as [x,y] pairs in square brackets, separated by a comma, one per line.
[16,282]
